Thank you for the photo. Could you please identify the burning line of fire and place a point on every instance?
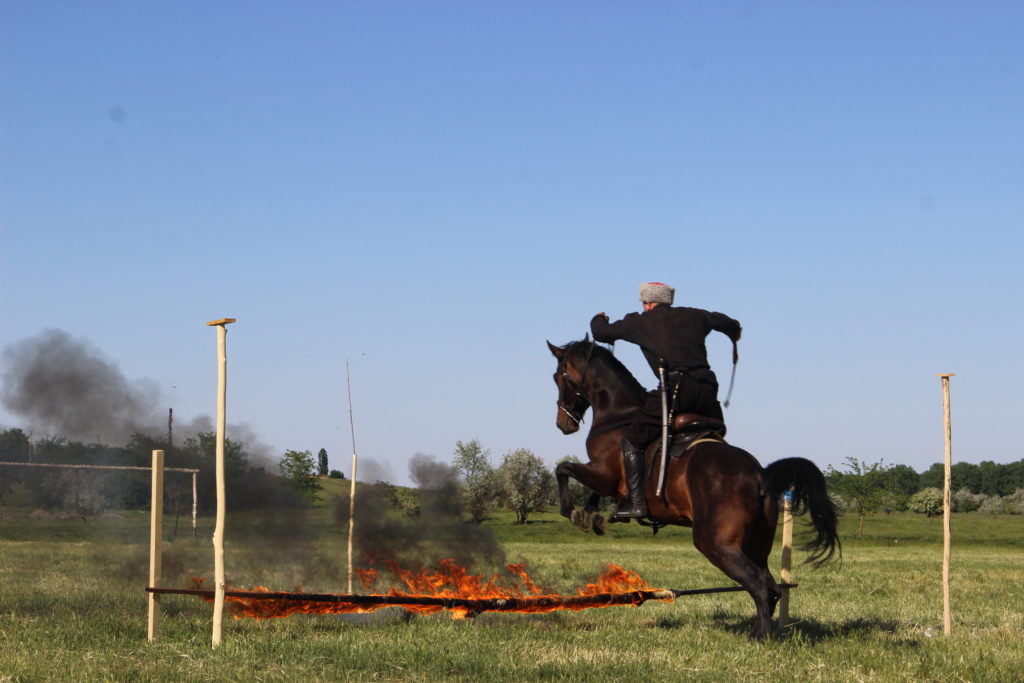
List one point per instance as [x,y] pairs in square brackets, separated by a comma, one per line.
[339,603]
[452,588]
[268,605]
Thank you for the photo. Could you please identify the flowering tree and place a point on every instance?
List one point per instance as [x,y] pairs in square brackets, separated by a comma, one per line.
[478,485]
[526,484]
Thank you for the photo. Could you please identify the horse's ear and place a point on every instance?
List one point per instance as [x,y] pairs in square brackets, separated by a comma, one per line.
[586,337]
[556,351]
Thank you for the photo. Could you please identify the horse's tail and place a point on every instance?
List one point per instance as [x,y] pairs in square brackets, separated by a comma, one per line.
[810,495]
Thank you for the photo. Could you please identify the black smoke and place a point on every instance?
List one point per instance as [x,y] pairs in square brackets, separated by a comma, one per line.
[64,386]
[416,528]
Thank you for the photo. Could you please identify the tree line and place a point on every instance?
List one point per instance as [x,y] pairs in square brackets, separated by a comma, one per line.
[520,482]
[88,492]
[987,487]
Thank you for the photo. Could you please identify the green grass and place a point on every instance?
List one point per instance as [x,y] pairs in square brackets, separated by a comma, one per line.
[72,607]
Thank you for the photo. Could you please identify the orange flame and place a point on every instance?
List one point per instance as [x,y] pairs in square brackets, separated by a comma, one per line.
[454,581]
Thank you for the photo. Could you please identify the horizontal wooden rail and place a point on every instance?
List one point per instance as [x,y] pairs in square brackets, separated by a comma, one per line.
[97,467]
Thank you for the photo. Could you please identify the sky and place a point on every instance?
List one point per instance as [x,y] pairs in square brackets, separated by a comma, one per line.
[424,193]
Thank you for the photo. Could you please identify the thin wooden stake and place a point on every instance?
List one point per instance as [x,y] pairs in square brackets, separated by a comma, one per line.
[947,509]
[156,517]
[787,558]
[195,505]
[352,490]
[218,532]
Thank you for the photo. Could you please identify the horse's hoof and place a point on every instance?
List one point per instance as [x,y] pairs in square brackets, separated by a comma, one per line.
[599,524]
[580,519]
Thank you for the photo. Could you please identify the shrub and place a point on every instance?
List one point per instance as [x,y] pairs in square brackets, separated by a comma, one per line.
[926,501]
[994,505]
[1016,502]
[965,501]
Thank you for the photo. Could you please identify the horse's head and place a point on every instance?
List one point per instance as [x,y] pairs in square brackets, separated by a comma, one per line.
[570,379]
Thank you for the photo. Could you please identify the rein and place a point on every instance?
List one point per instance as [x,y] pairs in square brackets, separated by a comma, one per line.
[609,427]
[578,419]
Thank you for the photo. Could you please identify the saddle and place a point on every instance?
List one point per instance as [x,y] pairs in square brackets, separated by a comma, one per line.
[688,423]
[689,428]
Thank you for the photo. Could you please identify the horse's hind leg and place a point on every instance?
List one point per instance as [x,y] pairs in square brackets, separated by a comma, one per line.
[756,580]
[563,471]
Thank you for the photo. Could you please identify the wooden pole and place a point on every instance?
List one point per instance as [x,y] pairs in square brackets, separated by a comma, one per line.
[218,531]
[352,489]
[156,517]
[195,505]
[947,509]
[787,558]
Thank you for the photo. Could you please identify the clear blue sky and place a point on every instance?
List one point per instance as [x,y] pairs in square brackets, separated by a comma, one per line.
[433,189]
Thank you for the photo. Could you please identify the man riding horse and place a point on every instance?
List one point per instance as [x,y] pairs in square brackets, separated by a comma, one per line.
[672,340]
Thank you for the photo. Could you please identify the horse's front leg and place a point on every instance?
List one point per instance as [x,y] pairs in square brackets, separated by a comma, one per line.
[593,479]
[592,518]
[562,473]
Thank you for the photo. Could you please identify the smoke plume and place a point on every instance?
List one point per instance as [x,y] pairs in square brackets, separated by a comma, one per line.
[416,528]
[64,386]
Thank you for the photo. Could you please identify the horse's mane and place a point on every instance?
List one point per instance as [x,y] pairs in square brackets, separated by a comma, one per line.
[606,357]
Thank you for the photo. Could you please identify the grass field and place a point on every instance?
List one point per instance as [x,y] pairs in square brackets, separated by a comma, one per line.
[72,607]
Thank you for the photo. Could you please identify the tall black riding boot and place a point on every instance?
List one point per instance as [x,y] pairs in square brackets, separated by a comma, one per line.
[632,505]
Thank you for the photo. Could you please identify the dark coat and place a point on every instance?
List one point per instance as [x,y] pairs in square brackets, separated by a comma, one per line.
[675,335]
[670,333]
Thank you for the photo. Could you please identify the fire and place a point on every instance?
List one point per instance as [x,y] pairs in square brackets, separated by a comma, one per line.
[452,587]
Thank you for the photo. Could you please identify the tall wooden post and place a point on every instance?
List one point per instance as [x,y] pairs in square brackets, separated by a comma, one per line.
[218,531]
[787,557]
[947,509]
[195,505]
[156,529]
[352,486]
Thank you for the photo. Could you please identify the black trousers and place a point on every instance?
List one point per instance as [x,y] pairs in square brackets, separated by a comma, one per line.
[692,396]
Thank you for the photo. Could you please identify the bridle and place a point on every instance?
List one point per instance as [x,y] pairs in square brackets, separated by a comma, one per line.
[576,388]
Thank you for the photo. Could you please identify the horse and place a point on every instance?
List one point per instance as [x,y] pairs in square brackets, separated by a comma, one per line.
[721,491]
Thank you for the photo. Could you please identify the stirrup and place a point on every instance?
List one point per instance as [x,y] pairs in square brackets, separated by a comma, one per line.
[626,512]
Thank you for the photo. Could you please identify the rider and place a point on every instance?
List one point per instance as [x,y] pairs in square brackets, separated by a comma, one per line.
[671,338]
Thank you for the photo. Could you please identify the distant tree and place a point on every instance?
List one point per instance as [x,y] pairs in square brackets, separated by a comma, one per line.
[987,477]
[902,482]
[963,476]
[995,480]
[14,446]
[200,452]
[1015,475]
[926,502]
[478,479]
[297,467]
[933,477]
[526,484]
[322,461]
[862,486]
[336,474]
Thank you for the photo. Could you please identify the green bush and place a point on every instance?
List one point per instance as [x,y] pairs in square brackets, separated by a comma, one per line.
[926,501]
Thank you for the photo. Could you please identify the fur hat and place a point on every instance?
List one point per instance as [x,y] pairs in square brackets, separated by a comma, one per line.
[657,293]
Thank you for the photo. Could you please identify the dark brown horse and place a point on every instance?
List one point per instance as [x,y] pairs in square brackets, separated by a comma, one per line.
[720,490]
